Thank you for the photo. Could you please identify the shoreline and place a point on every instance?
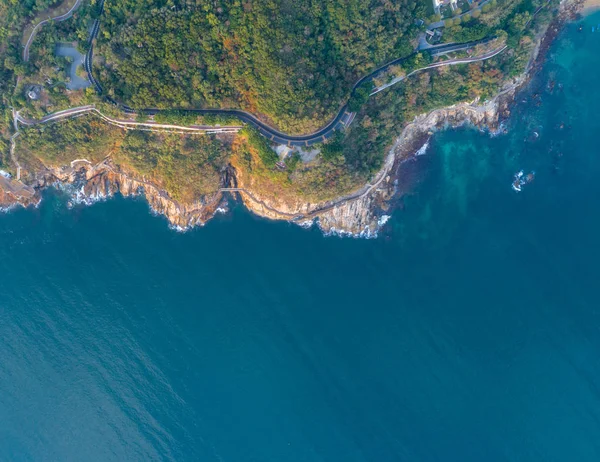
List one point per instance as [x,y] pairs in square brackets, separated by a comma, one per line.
[488,116]
[361,213]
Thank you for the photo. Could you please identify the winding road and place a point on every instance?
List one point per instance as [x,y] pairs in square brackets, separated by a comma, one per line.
[61,17]
[452,62]
[123,123]
[343,118]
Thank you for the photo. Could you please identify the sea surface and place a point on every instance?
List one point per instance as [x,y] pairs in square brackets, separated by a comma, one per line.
[468,331]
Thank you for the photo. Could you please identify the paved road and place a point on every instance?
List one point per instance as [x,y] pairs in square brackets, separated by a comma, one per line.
[423,43]
[451,62]
[62,17]
[123,123]
[54,116]
[87,62]
[450,47]
[343,118]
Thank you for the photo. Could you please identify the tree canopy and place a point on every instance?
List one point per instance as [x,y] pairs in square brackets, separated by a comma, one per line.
[292,61]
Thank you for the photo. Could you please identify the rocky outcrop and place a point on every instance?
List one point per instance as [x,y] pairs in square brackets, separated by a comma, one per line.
[359,218]
[9,201]
[88,183]
[362,213]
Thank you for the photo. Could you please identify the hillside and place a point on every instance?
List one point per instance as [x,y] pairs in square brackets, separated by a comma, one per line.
[293,62]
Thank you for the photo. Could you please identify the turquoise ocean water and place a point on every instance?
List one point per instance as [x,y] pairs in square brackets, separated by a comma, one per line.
[469,331]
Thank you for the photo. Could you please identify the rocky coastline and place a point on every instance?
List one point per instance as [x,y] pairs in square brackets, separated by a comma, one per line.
[87,183]
[360,214]
[364,212]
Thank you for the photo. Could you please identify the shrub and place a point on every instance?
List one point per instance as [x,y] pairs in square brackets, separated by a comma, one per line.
[262,146]
[333,148]
[176,117]
[360,96]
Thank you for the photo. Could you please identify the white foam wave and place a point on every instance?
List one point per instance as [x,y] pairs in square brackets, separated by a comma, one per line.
[423,150]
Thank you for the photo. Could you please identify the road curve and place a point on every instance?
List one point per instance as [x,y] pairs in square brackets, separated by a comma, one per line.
[343,118]
[61,17]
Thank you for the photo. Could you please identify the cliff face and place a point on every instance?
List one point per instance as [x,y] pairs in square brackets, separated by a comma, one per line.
[88,183]
[363,212]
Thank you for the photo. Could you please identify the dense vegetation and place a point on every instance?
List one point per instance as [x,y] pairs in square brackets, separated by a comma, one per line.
[348,160]
[13,17]
[323,179]
[384,116]
[16,20]
[186,166]
[57,144]
[510,16]
[292,60]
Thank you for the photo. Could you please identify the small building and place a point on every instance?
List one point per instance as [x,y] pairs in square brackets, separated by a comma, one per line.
[33,93]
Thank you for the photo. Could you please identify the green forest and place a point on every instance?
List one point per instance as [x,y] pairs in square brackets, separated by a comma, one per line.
[17,17]
[293,64]
[293,61]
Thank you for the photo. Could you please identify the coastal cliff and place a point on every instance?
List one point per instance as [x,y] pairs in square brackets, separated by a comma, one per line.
[360,213]
[88,183]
